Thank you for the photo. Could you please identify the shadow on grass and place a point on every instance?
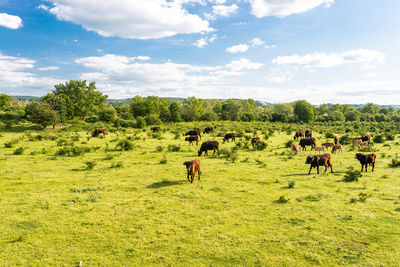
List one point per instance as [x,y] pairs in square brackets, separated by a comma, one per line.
[20,128]
[297,174]
[166,183]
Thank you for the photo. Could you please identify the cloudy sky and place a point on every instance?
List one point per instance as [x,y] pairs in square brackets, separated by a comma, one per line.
[323,51]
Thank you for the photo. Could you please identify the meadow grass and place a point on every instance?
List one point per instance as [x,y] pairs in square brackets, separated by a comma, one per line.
[56,211]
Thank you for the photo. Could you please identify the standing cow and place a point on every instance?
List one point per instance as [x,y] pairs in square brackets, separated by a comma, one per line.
[336,139]
[155,129]
[208,130]
[307,142]
[229,136]
[366,159]
[99,131]
[192,167]
[192,139]
[298,135]
[209,145]
[308,133]
[319,160]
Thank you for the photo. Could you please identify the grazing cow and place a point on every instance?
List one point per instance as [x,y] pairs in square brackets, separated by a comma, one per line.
[208,130]
[320,148]
[364,138]
[254,141]
[319,160]
[209,145]
[357,142]
[191,139]
[336,139]
[192,167]
[363,144]
[366,159]
[155,128]
[307,142]
[337,148]
[194,132]
[229,136]
[99,131]
[298,135]
[295,148]
[308,133]
[328,144]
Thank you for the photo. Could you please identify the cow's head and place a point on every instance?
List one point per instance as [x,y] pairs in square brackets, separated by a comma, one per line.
[309,159]
[199,152]
[358,156]
[188,165]
[187,139]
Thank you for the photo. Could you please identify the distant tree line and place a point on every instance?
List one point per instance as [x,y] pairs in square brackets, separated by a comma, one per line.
[78,101]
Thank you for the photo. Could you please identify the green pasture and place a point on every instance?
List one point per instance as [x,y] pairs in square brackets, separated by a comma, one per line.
[136,207]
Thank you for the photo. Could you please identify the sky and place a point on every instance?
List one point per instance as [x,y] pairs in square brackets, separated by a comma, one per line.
[322,51]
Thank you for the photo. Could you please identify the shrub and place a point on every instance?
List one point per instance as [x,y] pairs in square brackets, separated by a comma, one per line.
[90,164]
[291,183]
[352,175]
[329,135]
[117,165]
[174,148]
[19,151]
[11,143]
[345,140]
[283,199]
[164,160]
[390,137]
[109,157]
[364,196]
[289,143]
[124,145]
[379,139]
[395,163]
[261,145]
[159,148]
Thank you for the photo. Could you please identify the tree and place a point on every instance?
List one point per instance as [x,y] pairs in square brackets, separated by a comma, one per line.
[61,104]
[304,111]
[42,113]
[5,101]
[81,99]
[108,114]
[174,111]
[231,110]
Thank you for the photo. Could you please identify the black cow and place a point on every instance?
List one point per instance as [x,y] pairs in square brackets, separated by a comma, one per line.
[208,130]
[155,128]
[194,132]
[319,160]
[307,142]
[308,133]
[364,138]
[298,134]
[366,159]
[99,131]
[229,136]
[192,139]
[254,141]
[209,145]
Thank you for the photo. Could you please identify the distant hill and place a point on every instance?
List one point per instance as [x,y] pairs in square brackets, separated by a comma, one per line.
[24,98]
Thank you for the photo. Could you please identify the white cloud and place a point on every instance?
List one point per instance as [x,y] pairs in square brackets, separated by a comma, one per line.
[256,42]
[10,21]
[43,6]
[221,11]
[322,60]
[144,58]
[240,48]
[370,75]
[49,68]
[131,19]
[205,41]
[283,8]
[269,46]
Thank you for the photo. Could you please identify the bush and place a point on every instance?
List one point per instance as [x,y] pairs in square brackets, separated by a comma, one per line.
[124,145]
[352,175]
[345,140]
[289,143]
[164,160]
[291,183]
[11,143]
[379,139]
[117,165]
[90,164]
[395,163]
[283,199]
[19,151]
[159,148]
[174,148]
[329,135]
[390,137]
[261,145]
[73,151]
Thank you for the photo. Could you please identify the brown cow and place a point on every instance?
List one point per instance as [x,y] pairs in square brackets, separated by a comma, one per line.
[208,130]
[155,128]
[295,148]
[208,145]
[229,136]
[191,139]
[364,138]
[319,160]
[328,144]
[99,131]
[192,167]
[194,132]
[298,134]
[320,148]
[357,142]
[336,139]
[366,159]
[337,148]
[254,141]
[363,143]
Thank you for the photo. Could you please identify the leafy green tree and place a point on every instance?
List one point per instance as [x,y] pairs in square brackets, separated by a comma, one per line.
[174,111]
[5,101]
[61,104]
[231,110]
[352,116]
[42,113]
[278,117]
[108,114]
[304,111]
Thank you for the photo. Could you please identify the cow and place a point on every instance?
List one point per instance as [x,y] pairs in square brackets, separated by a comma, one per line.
[297,135]
[99,131]
[192,138]
[208,145]
[366,159]
[308,133]
[320,148]
[208,130]
[337,148]
[328,145]
[254,141]
[357,142]
[295,148]
[319,160]
[336,139]
[194,132]
[363,143]
[155,128]
[307,142]
[364,138]
[229,136]
[192,167]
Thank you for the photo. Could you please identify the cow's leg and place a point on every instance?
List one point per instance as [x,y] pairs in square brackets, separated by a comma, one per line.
[326,167]
[317,168]
[310,169]
[366,166]
[192,178]
[362,167]
[373,166]
[197,142]
[188,176]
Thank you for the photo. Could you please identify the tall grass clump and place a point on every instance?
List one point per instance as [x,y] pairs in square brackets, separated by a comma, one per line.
[125,145]
[352,175]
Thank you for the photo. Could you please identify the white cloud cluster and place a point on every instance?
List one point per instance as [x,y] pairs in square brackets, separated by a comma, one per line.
[10,21]
[205,41]
[240,48]
[130,19]
[121,76]
[221,11]
[283,8]
[256,42]
[323,60]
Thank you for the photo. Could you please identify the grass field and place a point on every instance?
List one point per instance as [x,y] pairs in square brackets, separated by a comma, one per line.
[136,207]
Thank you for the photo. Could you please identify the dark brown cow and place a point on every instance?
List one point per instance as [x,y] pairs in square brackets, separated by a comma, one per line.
[192,167]
[366,159]
[319,160]
[209,145]
[328,144]
[155,128]
[364,138]
[254,141]
[308,133]
[192,139]
[208,130]
[298,134]
[194,132]
[229,136]
[307,142]
[99,131]
[336,139]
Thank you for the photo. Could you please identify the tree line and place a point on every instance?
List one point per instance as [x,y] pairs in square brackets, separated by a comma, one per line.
[77,100]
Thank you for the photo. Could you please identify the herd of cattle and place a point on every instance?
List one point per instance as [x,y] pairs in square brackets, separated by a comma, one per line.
[305,137]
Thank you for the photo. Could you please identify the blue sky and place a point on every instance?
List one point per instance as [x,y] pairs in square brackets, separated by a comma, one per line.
[323,51]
